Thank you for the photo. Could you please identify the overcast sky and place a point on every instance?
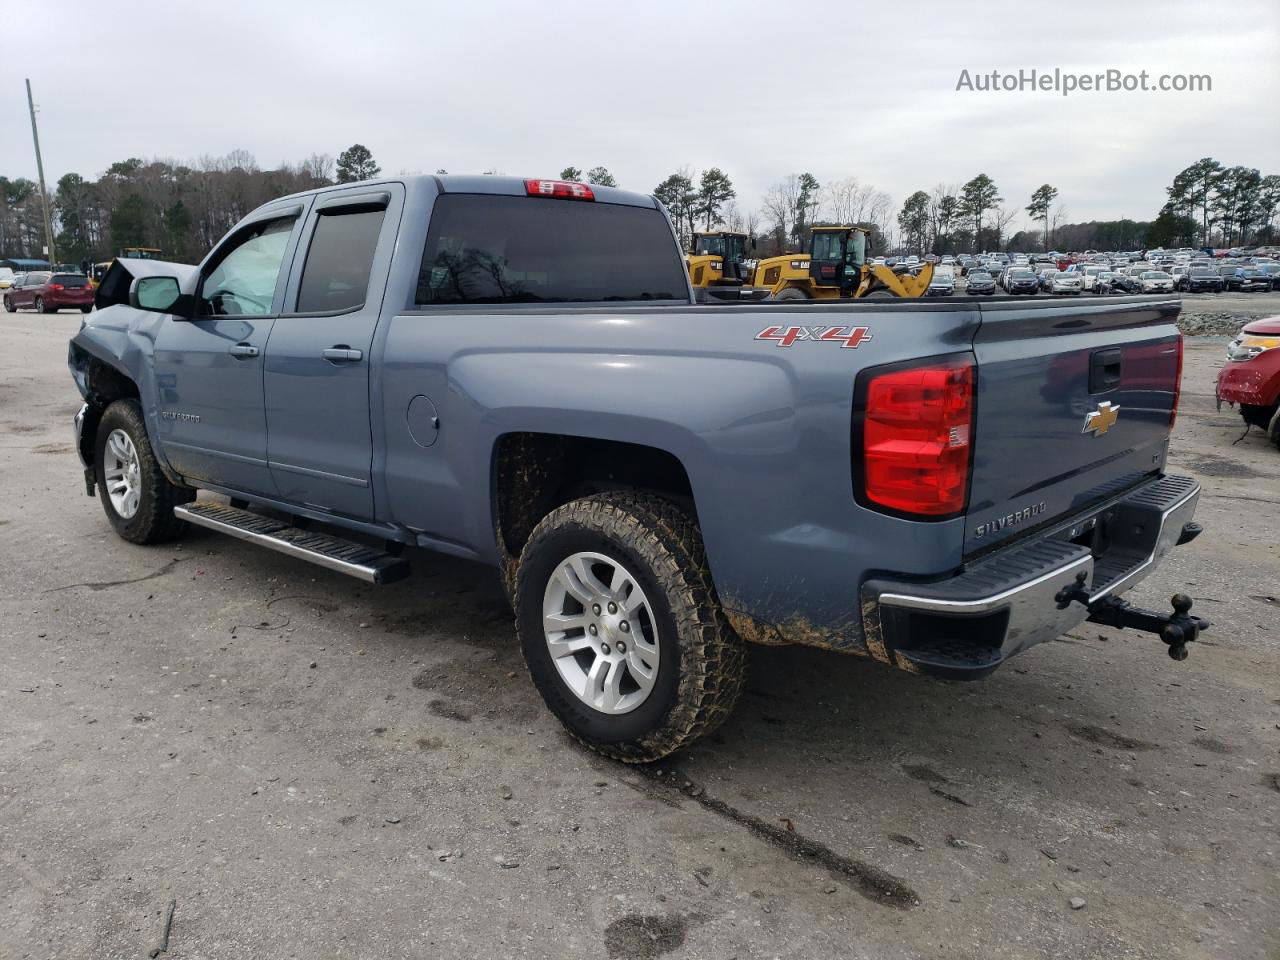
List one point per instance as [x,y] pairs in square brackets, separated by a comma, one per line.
[758,89]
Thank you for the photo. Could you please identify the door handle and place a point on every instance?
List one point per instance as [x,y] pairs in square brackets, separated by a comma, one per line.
[243,350]
[342,354]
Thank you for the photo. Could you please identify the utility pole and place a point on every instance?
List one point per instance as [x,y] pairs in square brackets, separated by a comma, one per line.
[44,194]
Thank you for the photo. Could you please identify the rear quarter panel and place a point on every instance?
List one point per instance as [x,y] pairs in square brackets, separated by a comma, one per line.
[763,432]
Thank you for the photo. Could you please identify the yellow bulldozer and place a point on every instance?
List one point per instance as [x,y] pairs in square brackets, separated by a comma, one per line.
[835,267]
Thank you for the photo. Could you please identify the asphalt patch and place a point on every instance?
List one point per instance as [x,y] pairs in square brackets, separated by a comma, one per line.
[1109,738]
[1213,745]
[919,771]
[447,711]
[1208,465]
[643,937]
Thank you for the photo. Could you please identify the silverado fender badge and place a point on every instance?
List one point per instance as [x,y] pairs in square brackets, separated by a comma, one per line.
[1101,420]
[847,336]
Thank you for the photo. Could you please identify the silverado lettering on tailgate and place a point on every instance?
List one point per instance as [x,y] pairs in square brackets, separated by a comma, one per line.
[1009,520]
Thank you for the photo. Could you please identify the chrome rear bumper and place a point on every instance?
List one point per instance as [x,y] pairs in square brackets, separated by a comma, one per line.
[967,625]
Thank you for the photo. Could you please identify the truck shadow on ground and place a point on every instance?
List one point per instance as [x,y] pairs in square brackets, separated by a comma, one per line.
[800,706]
[449,626]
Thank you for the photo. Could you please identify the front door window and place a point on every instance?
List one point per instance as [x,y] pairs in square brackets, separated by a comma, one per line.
[243,283]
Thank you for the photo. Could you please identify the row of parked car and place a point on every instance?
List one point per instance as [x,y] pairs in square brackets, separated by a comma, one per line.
[1056,274]
[47,292]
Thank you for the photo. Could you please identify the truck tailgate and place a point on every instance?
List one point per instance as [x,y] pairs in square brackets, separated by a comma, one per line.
[1073,404]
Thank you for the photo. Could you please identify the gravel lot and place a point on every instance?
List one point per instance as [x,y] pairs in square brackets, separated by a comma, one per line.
[310,767]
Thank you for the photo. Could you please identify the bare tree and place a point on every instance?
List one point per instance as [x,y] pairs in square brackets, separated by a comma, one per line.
[1056,218]
[1003,217]
[731,217]
[780,208]
[319,167]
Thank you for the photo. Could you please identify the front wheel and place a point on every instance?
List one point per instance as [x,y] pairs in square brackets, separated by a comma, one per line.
[8,305]
[136,496]
[621,629]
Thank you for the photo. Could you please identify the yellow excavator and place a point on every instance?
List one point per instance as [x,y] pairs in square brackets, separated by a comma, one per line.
[835,267]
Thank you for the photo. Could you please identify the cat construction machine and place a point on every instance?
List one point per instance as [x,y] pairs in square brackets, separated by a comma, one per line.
[835,267]
[718,264]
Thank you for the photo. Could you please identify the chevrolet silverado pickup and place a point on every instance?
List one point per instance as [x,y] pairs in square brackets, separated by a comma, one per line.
[516,372]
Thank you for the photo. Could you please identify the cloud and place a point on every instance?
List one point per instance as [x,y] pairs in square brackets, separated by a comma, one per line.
[758,89]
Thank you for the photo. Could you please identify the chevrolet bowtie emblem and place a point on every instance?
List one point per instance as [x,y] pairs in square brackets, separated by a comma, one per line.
[1101,420]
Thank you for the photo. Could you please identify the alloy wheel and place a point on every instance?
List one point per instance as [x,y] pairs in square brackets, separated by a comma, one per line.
[601,632]
[122,474]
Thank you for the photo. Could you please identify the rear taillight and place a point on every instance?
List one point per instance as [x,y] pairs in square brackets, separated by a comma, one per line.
[565,189]
[55,286]
[1177,387]
[916,426]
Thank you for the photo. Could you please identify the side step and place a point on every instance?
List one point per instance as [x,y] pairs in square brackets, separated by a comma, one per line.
[334,553]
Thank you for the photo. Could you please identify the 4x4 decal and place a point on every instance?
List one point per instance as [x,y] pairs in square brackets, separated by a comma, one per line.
[847,336]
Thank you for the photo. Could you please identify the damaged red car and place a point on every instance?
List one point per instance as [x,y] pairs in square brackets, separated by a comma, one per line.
[1250,379]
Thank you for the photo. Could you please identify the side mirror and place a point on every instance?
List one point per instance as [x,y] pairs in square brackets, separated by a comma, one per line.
[156,294]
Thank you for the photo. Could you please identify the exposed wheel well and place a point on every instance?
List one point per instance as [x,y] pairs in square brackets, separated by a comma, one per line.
[533,473]
[105,383]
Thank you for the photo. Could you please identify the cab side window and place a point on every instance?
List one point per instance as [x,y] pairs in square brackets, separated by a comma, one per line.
[243,282]
[335,277]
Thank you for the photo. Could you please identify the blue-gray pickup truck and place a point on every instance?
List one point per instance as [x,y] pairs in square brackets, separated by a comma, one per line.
[516,372]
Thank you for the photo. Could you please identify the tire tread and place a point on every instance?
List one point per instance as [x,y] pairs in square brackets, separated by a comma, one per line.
[713,658]
[154,522]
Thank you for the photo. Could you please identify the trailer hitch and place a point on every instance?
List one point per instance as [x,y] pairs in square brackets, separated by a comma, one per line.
[1176,629]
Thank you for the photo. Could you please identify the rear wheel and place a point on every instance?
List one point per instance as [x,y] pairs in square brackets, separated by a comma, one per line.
[39,305]
[136,496]
[85,309]
[621,629]
[8,305]
[791,293]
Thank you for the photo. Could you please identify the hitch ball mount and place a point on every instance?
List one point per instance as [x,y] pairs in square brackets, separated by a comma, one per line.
[1176,629]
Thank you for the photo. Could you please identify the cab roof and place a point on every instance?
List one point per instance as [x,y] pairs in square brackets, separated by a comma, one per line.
[483,183]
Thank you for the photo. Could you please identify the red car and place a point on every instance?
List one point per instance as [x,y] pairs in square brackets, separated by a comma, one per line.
[1251,375]
[50,292]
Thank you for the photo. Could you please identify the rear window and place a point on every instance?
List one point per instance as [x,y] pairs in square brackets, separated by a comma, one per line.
[336,275]
[494,249]
[70,279]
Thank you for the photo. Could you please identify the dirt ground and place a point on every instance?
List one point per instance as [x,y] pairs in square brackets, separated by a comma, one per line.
[309,767]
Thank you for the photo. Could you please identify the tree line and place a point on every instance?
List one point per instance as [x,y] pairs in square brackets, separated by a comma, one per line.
[184,208]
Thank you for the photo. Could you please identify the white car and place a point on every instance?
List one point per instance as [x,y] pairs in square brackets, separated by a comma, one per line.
[1156,281]
[1088,275]
[1065,282]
